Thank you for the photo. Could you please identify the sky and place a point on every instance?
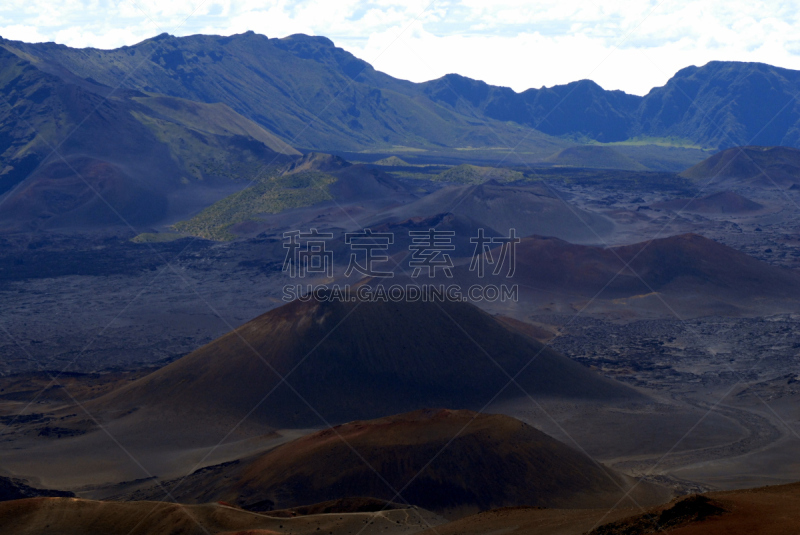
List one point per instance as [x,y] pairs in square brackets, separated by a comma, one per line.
[631,45]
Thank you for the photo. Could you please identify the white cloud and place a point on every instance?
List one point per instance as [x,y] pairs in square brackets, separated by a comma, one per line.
[22,32]
[623,44]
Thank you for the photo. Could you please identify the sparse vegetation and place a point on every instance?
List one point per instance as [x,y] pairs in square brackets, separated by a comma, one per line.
[269,196]
[679,142]
[157,237]
[392,161]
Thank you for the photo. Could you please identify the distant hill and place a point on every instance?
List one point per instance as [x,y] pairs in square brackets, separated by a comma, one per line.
[582,109]
[718,105]
[474,174]
[528,209]
[594,156]
[693,274]
[665,263]
[267,196]
[384,359]
[392,161]
[724,202]
[311,180]
[150,158]
[749,166]
[449,462]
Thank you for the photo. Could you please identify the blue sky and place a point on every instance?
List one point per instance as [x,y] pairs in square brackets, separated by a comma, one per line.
[628,45]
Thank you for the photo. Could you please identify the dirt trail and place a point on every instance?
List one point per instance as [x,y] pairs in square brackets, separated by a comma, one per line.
[760,433]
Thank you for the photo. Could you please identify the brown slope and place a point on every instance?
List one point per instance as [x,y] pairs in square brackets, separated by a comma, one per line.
[531,521]
[352,504]
[769,510]
[755,166]
[70,516]
[79,192]
[357,360]
[451,462]
[724,202]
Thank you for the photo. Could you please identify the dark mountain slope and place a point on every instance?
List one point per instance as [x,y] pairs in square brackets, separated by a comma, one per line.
[724,104]
[383,358]
[151,158]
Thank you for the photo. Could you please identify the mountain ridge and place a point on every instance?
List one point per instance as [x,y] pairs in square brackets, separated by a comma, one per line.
[305,76]
[285,85]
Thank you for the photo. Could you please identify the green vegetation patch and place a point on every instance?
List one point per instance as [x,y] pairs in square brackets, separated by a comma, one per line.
[679,142]
[393,161]
[268,196]
[157,237]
